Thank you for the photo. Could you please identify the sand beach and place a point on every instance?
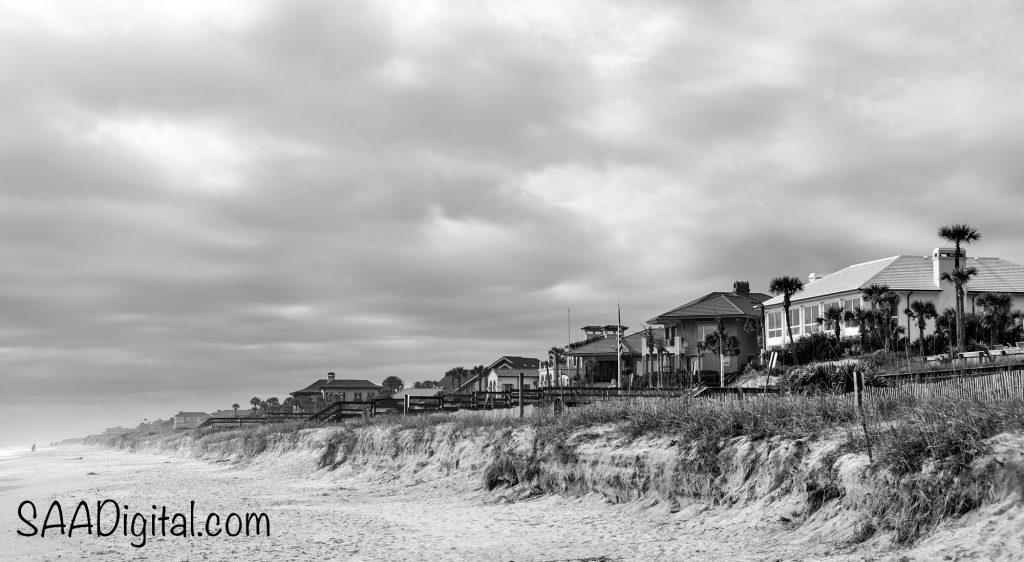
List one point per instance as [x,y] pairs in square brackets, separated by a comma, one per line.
[409,515]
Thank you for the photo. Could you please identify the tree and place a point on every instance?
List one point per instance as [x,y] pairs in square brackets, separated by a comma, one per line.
[884,302]
[424,384]
[392,384]
[832,319]
[235,407]
[959,234]
[996,314]
[787,287]
[256,402]
[861,317]
[556,355]
[648,335]
[723,343]
[921,312]
[959,277]
[945,328]
[457,374]
[271,404]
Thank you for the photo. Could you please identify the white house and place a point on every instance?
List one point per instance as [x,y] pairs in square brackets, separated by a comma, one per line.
[912,277]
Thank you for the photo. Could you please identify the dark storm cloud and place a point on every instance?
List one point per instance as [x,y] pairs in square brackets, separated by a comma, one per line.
[202,203]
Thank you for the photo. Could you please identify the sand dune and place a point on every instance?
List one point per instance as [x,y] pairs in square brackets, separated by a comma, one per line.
[414,511]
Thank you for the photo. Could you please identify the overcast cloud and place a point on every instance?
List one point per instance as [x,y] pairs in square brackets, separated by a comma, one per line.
[202,202]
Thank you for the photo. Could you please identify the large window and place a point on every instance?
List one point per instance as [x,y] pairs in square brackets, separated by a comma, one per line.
[774,319]
[848,305]
[794,320]
[811,314]
[703,331]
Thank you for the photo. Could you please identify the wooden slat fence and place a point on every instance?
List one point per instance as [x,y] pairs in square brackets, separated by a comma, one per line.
[977,385]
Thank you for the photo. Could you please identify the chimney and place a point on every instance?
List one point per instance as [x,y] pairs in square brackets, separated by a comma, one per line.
[741,288]
[813,277]
[942,262]
[330,376]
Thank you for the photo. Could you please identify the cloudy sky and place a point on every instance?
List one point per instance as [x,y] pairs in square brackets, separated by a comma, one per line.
[205,201]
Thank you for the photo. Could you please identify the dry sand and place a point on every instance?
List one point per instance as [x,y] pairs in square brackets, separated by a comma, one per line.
[386,516]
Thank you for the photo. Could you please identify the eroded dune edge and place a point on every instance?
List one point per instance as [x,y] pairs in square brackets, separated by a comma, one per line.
[820,487]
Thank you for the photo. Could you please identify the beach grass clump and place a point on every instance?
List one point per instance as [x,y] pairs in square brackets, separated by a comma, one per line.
[929,458]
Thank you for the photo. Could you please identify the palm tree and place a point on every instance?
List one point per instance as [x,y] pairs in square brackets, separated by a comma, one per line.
[996,314]
[861,318]
[959,277]
[722,342]
[945,326]
[556,354]
[456,374]
[833,319]
[235,407]
[883,302]
[921,312]
[959,234]
[648,334]
[787,287]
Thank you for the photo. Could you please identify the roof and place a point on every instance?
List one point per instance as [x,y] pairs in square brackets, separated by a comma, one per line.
[716,304]
[336,384]
[514,373]
[515,362]
[193,414]
[911,273]
[606,345]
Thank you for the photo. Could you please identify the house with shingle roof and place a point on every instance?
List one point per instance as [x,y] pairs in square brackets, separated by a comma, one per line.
[596,361]
[687,325]
[911,277]
[188,420]
[503,374]
[332,389]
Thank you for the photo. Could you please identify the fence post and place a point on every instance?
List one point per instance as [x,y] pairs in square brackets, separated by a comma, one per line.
[406,406]
[521,391]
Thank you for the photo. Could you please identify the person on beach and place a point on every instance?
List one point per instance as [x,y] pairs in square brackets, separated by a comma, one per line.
[33,447]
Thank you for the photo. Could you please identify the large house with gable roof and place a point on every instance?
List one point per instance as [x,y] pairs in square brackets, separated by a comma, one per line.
[332,389]
[911,277]
[687,325]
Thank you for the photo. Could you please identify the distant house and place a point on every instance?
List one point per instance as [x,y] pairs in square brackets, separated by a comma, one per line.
[911,277]
[333,389]
[117,431]
[503,374]
[686,326]
[188,420]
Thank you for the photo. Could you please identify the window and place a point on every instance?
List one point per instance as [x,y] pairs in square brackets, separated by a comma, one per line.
[507,387]
[794,320]
[848,306]
[774,319]
[811,314]
[358,397]
[703,331]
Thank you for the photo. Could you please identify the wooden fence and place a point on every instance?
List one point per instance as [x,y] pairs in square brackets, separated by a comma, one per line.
[999,384]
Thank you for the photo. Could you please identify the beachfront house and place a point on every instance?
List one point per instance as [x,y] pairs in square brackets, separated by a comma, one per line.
[188,420]
[503,374]
[910,277]
[333,389]
[594,361]
[687,325]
